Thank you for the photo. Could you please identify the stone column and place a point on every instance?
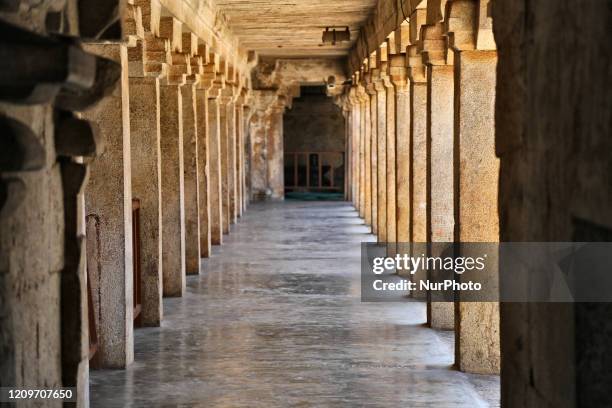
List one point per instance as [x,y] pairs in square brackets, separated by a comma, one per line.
[553,125]
[349,152]
[214,140]
[205,82]
[355,110]
[477,173]
[371,91]
[108,209]
[247,156]
[239,157]
[367,146]
[191,171]
[232,131]
[418,143]
[362,151]
[274,144]
[391,165]
[440,201]
[146,169]
[224,136]
[172,177]
[347,155]
[381,155]
[203,169]
[398,74]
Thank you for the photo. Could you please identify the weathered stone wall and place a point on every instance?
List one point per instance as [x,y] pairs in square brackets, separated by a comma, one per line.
[314,124]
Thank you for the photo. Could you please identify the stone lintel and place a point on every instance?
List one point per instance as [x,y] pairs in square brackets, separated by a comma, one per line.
[227,95]
[370,89]
[460,24]
[416,69]
[204,52]
[381,55]
[434,45]
[190,44]
[435,11]
[136,66]
[174,79]
[398,74]
[484,37]
[171,28]
[378,79]
[387,18]
[132,22]
[150,14]
[417,19]
[391,44]
[402,37]
[362,95]
[206,80]
[353,99]
[156,55]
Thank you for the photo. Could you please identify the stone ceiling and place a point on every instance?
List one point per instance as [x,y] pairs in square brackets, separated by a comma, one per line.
[293,28]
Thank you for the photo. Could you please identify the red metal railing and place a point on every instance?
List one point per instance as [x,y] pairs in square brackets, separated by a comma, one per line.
[137,284]
[309,171]
[93,332]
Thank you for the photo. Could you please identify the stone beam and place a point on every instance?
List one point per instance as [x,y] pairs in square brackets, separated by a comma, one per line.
[386,18]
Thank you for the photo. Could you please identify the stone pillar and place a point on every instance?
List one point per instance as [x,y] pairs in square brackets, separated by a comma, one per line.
[239,157]
[371,91]
[191,171]
[224,136]
[246,139]
[172,177]
[418,143]
[381,155]
[364,98]
[355,111]
[362,151]
[232,131]
[440,201]
[258,175]
[553,125]
[244,158]
[214,168]
[43,284]
[203,170]
[275,157]
[146,171]
[398,75]
[348,181]
[108,209]
[391,165]
[476,173]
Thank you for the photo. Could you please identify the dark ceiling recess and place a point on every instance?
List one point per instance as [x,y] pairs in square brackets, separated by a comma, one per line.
[313,90]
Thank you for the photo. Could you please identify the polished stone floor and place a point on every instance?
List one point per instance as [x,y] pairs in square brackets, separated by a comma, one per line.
[275,320]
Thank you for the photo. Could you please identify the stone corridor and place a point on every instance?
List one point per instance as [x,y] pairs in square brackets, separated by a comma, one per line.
[276,321]
[150,253]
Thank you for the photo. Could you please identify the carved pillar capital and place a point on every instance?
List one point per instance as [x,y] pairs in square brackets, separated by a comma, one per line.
[416,69]
[398,73]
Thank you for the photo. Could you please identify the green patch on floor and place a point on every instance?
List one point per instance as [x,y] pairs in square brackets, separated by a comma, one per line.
[312,196]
